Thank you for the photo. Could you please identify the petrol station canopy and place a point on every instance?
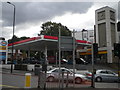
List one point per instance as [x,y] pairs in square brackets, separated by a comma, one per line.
[41,42]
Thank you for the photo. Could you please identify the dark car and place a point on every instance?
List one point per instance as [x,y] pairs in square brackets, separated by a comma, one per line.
[80,61]
[63,61]
[31,61]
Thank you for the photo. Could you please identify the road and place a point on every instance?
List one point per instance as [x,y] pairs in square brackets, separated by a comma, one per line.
[18,81]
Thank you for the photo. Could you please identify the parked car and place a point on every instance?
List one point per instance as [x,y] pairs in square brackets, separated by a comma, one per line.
[52,60]
[80,61]
[63,61]
[10,62]
[104,75]
[31,61]
[53,75]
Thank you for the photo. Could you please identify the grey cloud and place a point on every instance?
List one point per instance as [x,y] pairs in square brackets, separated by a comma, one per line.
[40,11]
[116,6]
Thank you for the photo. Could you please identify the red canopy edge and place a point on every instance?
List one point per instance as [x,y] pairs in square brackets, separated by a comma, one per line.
[82,41]
[26,40]
[50,37]
[45,37]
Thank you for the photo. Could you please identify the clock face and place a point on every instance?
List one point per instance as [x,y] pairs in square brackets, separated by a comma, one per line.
[101,15]
[112,15]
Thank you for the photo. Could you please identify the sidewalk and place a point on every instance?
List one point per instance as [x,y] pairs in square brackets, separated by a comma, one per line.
[16,72]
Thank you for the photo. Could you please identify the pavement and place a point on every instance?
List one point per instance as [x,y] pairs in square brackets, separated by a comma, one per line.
[79,67]
[16,72]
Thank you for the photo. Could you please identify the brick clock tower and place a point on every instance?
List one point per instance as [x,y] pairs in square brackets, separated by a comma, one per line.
[106,30]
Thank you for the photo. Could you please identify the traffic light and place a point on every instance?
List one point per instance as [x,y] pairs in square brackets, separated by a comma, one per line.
[95,50]
[117,49]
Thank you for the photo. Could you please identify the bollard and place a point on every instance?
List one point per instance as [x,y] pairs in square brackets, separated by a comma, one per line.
[28,80]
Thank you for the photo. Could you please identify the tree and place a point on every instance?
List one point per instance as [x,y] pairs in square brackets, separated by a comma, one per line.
[17,39]
[52,29]
[23,38]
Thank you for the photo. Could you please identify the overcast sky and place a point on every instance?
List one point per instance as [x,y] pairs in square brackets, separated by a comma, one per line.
[30,15]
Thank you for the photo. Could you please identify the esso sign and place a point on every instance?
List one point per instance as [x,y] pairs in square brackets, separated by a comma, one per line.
[3,43]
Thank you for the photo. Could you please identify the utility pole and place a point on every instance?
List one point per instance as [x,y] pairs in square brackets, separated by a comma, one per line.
[93,82]
[74,58]
[59,56]
[13,35]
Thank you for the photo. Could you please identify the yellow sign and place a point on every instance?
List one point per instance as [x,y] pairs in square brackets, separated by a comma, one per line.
[2,47]
[89,52]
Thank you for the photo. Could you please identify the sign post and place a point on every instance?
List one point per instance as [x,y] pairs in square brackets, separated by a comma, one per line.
[67,43]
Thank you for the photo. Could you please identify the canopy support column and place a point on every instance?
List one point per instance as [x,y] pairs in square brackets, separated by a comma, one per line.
[45,52]
[29,53]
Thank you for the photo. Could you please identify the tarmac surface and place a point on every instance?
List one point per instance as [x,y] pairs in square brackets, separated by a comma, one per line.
[22,73]
[62,89]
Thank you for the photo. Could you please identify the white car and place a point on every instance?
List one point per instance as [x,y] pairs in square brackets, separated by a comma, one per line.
[53,75]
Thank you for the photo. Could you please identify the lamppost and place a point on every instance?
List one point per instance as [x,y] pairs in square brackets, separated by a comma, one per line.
[13,35]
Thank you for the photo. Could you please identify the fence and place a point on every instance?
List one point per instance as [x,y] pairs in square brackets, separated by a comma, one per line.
[66,80]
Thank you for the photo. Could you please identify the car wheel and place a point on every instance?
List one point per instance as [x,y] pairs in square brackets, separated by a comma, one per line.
[98,79]
[50,79]
[78,80]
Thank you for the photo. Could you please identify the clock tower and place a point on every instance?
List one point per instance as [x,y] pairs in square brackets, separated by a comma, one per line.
[106,30]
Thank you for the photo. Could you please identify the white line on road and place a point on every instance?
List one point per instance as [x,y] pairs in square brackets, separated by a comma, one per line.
[8,86]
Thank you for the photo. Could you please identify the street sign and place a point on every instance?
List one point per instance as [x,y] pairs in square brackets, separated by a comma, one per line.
[3,51]
[66,43]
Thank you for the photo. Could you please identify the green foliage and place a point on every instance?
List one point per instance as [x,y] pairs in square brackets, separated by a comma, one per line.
[17,39]
[52,29]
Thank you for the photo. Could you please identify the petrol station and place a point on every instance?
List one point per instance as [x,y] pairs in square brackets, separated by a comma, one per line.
[105,37]
[43,43]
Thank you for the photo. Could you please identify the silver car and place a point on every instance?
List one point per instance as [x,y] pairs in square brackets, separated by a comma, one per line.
[53,75]
[104,75]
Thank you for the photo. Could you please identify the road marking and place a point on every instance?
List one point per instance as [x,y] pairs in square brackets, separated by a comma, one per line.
[8,86]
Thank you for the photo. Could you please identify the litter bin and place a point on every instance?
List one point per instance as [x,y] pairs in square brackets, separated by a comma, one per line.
[37,69]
